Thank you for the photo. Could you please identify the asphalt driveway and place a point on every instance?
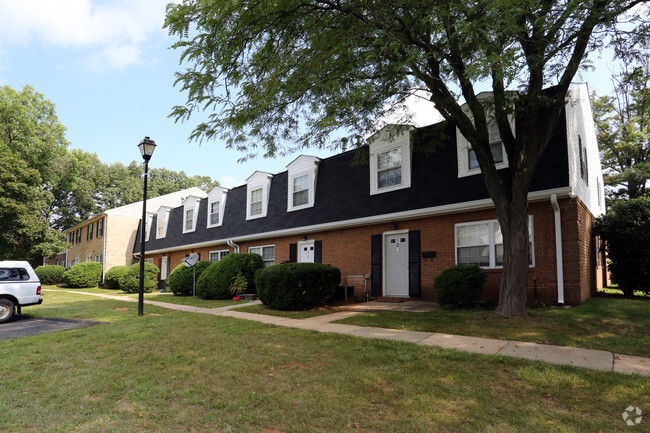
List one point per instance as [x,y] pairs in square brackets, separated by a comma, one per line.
[25,325]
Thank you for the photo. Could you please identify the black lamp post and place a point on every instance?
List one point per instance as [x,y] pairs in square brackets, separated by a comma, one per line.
[147,147]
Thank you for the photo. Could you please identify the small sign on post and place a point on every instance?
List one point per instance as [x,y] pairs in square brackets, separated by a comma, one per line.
[190,261]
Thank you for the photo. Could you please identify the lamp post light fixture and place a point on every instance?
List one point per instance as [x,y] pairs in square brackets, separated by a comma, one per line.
[147,147]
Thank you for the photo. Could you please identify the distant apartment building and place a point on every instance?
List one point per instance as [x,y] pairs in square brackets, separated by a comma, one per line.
[108,237]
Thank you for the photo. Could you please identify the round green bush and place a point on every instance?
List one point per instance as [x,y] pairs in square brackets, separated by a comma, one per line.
[130,281]
[296,286]
[87,274]
[113,275]
[217,280]
[181,278]
[459,286]
[50,274]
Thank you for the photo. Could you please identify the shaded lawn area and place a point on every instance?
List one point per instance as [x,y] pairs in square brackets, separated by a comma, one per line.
[616,325]
[170,371]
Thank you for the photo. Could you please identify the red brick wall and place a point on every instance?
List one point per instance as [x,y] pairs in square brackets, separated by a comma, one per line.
[349,250]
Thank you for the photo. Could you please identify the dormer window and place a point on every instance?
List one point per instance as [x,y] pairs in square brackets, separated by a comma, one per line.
[256,202]
[389,168]
[190,212]
[147,226]
[390,161]
[467,162]
[302,174]
[214,213]
[258,187]
[189,219]
[162,217]
[216,204]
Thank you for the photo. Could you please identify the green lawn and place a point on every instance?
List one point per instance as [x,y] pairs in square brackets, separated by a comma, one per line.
[617,325]
[171,371]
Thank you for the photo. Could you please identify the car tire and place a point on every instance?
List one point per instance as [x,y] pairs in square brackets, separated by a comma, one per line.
[7,310]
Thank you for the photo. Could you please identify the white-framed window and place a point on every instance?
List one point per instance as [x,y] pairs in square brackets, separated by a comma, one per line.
[150,261]
[390,161]
[467,162]
[190,212]
[258,188]
[189,220]
[256,202]
[389,168]
[100,228]
[300,190]
[302,174]
[481,243]
[496,147]
[214,214]
[89,258]
[582,158]
[99,258]
[215,256]
[216,205]
[162,217]
[90,231]
[266,251]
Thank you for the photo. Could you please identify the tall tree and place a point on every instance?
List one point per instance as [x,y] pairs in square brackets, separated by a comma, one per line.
[623,124]
[24,232]
[33,151]
[300,70]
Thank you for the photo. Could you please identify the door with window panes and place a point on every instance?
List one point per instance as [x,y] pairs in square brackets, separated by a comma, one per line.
[396,273]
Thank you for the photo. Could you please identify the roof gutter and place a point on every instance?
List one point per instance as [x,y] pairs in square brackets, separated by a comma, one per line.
[558,250]
[233,245]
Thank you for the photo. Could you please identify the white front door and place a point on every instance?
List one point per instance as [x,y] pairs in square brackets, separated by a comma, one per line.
[163,268]
[396,269]
[306,252]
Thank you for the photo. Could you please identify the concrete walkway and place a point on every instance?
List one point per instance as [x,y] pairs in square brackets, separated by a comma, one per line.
[585,358]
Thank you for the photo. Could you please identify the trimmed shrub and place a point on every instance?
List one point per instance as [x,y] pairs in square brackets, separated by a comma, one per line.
[180,279]
[87,274]
[217,280]
[459,286]
[113,275]
[50,274]
[130,281]
[625,230]
[296,286]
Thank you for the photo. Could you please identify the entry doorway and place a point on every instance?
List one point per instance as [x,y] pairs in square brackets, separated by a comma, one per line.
[396,265]
[306,252]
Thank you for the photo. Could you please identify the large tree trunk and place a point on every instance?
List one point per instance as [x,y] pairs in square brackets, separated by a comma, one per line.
[513,220]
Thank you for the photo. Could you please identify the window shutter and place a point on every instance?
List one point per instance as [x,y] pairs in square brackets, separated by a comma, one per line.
[293,253]
[414,263]
[376,253]
[318,251]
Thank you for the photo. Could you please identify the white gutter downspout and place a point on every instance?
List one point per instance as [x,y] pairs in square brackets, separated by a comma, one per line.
[233,245]
[104,234]
[558,250]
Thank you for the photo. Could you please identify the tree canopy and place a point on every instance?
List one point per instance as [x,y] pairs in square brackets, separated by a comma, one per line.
[302,71]
[46,187]
[623,124]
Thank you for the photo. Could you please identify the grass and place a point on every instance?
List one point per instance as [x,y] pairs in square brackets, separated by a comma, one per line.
[617,325]
[171,371]
[614,290]
[157,296]
[263,309]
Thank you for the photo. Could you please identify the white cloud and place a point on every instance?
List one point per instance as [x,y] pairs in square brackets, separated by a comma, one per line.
[114,29]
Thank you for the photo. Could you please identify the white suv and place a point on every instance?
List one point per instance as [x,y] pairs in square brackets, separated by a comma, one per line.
[19,287]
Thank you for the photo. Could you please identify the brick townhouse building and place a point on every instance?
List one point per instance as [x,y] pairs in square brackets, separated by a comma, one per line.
[108,237]
[413,207]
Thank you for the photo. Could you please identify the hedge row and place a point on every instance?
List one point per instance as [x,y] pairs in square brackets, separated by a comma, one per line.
[50,274]
[218,280]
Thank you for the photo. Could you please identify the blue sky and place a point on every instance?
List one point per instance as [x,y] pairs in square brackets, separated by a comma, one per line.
[108,68]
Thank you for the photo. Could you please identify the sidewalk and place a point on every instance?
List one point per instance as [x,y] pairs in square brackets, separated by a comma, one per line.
[585,358]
